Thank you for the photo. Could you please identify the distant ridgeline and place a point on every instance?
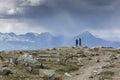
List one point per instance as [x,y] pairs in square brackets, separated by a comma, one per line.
[11,41]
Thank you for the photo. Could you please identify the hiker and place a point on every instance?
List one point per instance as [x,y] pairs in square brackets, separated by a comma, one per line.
[76,42]
[80,44]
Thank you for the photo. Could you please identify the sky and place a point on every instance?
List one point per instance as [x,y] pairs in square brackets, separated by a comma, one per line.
[61,17]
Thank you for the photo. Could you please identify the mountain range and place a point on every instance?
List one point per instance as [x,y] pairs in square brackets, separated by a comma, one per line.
[12,41]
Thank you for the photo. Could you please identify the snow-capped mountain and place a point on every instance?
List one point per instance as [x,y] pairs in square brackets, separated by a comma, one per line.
[11,37]
[12,41]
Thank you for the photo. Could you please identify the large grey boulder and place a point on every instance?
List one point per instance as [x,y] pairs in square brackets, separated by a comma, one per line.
[103,74]
[13,61]
[1,57]
[80,55]
[47,74]
[29,60]
[6,71]
[98,77]
[106,72]
[30,69]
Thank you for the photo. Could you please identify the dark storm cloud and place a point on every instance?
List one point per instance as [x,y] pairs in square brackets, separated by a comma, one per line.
[77,7]
[63,16]
[100,2]
[42,8]
[68,16]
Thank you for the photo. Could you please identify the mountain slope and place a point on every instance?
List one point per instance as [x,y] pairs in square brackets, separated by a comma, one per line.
[89,40]
[11,41]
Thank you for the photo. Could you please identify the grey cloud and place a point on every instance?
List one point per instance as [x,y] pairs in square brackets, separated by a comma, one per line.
[14,8]
[63,16]
[100,2]
[40,8]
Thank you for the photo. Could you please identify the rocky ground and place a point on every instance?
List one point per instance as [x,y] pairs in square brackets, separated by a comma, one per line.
[69,63]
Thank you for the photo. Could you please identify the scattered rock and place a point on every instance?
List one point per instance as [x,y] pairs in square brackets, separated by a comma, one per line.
[77,74]
[109,65]
[80,55]
[98,77]
[91,76]
[106,72]
[113,56]
[67,74]
[89,58]
[28,59]
[20,52]
[26,64]
[1,57]
[47,74]
[6,71]
[97,60]
[5,65]
[30,69]
[58,78]
[14,61]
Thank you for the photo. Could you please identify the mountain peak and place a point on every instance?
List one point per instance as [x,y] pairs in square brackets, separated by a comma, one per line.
[86,33]
[32,34]
[12,34]
[46,34]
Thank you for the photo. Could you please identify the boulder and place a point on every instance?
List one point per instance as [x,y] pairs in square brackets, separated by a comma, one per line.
[113,56]
[80,55]
[29,69]
[6,71]
[106,72]
[13,61]
[98,77]
[28,59]
[67,74]
[1,57]
[47,74]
